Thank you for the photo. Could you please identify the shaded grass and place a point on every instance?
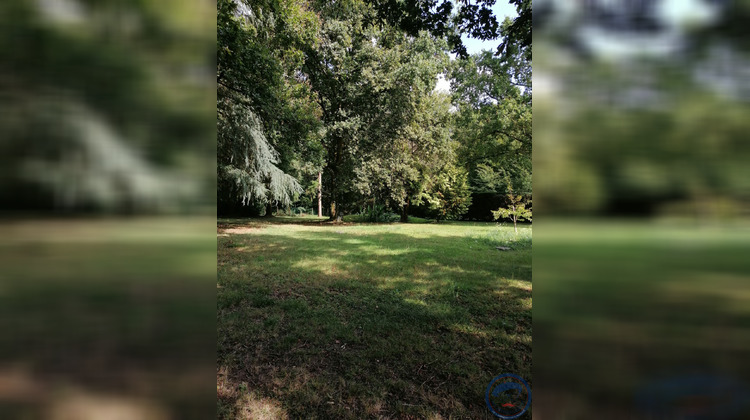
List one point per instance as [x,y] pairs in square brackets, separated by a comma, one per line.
[394,218]
[358,321]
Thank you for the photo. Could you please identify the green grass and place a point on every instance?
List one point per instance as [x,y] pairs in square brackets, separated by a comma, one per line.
[319,320]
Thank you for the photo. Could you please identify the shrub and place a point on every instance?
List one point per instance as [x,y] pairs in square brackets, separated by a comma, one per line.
[376,214]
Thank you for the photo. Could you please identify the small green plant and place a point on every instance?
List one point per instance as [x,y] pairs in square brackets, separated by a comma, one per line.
[515,211]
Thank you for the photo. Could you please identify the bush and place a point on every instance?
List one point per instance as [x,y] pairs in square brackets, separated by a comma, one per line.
[376,214]
[450,196]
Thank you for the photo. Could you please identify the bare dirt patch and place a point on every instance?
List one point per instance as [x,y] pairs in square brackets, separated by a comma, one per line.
[237,230]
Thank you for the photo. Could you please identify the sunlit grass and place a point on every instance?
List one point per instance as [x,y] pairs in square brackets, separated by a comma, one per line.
[358,320]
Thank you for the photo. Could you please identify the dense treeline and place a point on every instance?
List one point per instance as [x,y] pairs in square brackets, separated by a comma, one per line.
[335,103]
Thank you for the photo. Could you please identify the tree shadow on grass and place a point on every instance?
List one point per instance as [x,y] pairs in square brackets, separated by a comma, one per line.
[230,222]
[350,325]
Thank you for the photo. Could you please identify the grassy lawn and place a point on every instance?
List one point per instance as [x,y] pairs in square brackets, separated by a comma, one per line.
[621,305]
[369,321]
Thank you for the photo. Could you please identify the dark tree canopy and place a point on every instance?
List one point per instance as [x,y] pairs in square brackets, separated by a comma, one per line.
[473,18]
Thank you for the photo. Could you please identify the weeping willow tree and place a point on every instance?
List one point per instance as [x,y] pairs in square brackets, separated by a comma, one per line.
[248,163]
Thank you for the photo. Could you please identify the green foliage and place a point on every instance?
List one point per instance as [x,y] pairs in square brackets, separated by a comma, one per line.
[475,20]
[373,83]
[493,121]
[267,120]
[449,195]
[647,142]
[354,99]
[514,176]
[377,213]
[248,161]
[651,160]
[374,213]
[516,33]
[399,169]
[516,209]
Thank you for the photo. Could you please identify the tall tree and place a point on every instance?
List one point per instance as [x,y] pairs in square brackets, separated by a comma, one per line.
[334,73]
[369,82]
[399,171]
[266,116]
[493,121]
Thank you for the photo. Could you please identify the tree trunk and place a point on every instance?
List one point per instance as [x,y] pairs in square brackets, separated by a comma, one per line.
[334,194]
[335,212]
[405,211]
[269,209]
[335,207]
[320,194]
